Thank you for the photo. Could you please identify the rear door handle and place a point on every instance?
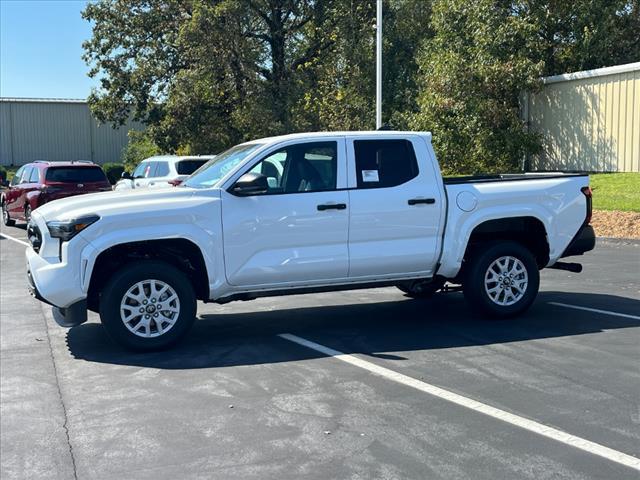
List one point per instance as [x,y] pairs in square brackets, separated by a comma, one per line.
[332,206]
[416,201]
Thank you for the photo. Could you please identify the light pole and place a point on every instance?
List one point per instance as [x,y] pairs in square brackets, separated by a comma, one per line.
[379,64]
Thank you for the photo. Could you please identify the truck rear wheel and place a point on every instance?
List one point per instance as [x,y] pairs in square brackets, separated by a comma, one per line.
[501,280]
[149,305]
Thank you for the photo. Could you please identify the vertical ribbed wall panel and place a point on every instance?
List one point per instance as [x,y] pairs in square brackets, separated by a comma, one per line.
[589,123]
[57,131]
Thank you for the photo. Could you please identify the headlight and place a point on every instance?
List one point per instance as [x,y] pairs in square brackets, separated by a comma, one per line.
[67,229]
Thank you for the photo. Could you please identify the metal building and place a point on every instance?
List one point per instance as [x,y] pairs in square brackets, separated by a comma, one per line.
[589,120]
[56,129]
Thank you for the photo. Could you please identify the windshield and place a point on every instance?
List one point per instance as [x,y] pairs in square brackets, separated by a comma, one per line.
[211,172]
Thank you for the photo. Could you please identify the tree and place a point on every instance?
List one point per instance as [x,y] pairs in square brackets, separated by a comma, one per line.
[484,54]
[584,34]
[340,88]
[473,72]
[206,73]
[140,146]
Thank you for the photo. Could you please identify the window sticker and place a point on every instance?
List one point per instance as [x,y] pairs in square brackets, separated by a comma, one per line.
[370,176]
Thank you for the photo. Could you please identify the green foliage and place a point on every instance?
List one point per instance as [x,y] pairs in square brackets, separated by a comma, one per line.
[140,146]
[583,34]
[113,171]
[484,54]
[3,174]
[206,74]
[616,191]
[473,71]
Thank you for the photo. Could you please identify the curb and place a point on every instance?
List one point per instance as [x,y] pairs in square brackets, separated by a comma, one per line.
[619,241]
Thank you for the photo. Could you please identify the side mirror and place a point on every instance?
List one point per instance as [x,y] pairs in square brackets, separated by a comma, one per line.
[250,184]
[125,176]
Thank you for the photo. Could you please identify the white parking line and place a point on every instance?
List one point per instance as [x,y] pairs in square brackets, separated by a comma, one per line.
[530,425]
[596,310]
[22,242]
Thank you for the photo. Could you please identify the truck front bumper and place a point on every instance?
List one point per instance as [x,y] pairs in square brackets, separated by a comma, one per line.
[74,313]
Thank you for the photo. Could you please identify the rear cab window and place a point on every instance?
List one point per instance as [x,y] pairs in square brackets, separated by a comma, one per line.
[384,163]
[75,174]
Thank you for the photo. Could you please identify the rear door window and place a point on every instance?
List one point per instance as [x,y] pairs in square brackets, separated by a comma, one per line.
[75,174]
[149,170]
[384,163]
[187,167]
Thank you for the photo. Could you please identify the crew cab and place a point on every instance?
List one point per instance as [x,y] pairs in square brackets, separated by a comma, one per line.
[298,214]
[39,182]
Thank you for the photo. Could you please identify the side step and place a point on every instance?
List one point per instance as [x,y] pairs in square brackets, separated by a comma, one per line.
[569,267]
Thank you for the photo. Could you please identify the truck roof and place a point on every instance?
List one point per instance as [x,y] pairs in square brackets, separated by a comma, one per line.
[364,133]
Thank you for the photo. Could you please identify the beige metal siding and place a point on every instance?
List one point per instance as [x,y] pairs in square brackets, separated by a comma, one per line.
[109,142]
[50,131]
[590,123]
[56,130]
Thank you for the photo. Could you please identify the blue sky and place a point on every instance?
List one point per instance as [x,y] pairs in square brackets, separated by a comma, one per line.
[41,48]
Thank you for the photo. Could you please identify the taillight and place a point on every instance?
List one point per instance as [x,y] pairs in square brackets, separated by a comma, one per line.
[589,194]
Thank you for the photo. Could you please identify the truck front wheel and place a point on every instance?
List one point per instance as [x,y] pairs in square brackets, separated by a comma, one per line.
[148,305]
[501,280]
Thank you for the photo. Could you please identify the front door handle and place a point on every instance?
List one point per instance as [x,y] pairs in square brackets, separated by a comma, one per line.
[416,201]
[332,206]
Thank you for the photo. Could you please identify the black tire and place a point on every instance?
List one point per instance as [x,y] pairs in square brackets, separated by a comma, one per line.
[147,270]
[6,219]
[27,213]
[477,293]
[420,288]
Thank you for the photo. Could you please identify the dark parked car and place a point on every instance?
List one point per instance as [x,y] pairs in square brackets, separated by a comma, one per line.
[37,183]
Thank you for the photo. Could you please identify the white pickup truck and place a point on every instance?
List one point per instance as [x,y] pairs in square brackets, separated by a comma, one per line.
[304,213]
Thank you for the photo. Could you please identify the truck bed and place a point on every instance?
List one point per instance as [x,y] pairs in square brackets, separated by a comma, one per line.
[509,177]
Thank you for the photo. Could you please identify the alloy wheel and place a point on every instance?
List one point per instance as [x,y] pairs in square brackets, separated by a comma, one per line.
[150,308]
[506,280]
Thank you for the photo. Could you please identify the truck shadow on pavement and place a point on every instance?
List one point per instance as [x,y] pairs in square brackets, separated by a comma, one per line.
[375,329]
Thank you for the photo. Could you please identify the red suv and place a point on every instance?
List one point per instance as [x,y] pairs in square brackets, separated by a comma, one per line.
[37,183]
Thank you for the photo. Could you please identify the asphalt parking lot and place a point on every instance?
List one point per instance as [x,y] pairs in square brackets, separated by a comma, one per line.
[238,400]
